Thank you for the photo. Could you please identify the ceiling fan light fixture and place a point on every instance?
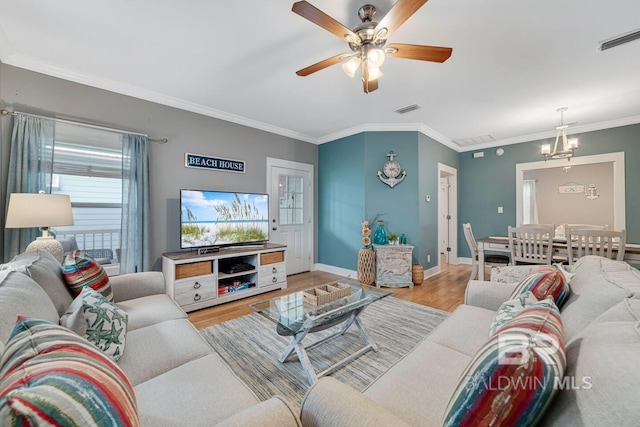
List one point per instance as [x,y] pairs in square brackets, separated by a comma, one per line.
[375,57]
[351,66]
[374,73]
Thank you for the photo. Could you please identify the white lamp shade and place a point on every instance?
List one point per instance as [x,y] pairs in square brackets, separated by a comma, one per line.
[27,210]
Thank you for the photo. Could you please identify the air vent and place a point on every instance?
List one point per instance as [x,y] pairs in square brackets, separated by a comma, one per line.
[474,140]
[408,108]
[619,40]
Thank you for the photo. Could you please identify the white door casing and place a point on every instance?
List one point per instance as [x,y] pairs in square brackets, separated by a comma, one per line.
[290,188]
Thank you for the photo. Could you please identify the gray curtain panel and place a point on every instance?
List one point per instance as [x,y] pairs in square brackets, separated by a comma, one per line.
[135,253]
[30,169]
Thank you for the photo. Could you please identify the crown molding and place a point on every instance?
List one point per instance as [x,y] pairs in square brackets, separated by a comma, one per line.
[29,63]
[552,133]
[32,64]
[389,127]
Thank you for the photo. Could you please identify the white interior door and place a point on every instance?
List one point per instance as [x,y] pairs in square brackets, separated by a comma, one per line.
[448,213]
[291,211]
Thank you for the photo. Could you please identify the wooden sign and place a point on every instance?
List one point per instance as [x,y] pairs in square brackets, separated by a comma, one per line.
[200,161]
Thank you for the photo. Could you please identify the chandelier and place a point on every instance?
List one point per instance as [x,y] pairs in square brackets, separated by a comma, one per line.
[569,146]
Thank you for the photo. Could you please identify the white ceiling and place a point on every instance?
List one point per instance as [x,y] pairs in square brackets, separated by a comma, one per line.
[514,63]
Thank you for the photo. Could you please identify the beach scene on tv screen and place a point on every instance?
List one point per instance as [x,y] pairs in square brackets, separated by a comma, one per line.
[211,218]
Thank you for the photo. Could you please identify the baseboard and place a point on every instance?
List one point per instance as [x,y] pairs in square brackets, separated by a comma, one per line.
[432,272]
[464,260]
[352,274]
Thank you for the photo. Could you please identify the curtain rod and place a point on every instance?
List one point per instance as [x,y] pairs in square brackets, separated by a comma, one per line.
[5,112]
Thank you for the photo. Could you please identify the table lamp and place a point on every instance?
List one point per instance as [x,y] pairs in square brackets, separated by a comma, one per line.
[27,210]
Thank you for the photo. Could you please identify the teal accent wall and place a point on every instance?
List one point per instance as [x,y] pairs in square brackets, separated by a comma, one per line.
[431,153]
[349,191]
[488,182]
[341,200]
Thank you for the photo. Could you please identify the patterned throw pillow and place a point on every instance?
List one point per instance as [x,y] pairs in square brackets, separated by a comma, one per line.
[80,270]
[512,378]
[100,321]
[510,309]
[544,282]
[51,376]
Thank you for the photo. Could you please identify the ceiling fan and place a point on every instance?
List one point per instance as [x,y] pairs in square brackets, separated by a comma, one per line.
[367,41]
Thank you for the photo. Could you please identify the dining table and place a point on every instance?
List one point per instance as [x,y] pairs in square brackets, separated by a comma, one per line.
[560,248]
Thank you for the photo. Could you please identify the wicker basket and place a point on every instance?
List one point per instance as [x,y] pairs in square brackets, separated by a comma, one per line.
[193,269]
[417,274]
[326,293]
[271,257]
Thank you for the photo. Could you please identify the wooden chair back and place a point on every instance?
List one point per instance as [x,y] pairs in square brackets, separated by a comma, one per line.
[531,244]
[471,240]
[604,243]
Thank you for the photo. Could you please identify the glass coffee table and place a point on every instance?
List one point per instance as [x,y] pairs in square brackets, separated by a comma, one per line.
[298,314]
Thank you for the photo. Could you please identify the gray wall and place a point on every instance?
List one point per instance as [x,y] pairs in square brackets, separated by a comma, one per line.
[36,93]
[561,208]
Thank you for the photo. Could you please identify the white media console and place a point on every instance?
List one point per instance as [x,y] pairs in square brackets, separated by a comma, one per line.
[197,281]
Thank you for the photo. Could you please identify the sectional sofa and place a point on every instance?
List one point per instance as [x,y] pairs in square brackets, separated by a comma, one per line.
[601,386]
[177,378]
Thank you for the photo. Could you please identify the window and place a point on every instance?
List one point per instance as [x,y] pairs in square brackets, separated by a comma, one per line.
[290,199]
[87,165]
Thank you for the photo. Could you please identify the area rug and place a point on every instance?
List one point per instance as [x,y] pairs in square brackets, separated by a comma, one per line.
[251,347]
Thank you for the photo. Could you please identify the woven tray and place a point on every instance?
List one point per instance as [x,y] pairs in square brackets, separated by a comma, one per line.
[326,293]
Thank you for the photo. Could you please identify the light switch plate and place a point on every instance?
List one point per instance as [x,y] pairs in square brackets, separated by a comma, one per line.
[500,210]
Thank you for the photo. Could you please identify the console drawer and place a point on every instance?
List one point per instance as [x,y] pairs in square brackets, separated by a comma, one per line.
[195,289]
[272,274]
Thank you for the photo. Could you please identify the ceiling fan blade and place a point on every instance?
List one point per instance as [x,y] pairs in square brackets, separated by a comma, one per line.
[419,52]
[399,13]
[318,17]
[321,65]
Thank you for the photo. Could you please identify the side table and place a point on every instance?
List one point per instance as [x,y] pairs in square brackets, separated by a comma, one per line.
[393,265]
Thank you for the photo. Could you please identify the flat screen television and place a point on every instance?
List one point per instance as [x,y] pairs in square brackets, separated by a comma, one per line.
[222,218]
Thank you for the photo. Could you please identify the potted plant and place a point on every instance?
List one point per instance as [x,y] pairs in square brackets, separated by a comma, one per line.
[393,238]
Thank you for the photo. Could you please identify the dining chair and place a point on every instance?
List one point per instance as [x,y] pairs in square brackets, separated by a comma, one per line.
[531,244]
[489,259]
[604,243]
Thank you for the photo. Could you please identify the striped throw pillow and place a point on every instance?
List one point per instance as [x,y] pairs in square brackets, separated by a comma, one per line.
[513,377]
[80,270]
[544,282]
[51,376]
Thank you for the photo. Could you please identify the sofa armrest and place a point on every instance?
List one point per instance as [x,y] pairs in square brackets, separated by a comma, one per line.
[136,285]
[488,295]
[334,404]
[275,412]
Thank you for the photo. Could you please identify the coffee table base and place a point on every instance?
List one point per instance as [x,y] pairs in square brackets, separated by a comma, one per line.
[303,357]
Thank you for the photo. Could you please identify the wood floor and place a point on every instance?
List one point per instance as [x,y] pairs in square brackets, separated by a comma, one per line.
[444,291]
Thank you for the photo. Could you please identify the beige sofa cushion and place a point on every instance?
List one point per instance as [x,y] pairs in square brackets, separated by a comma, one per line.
[47,272]
[417,389]
[21,296]
[156,349]
[465,330]
[602,374]
[202,392]
[598,285]
[150,310]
